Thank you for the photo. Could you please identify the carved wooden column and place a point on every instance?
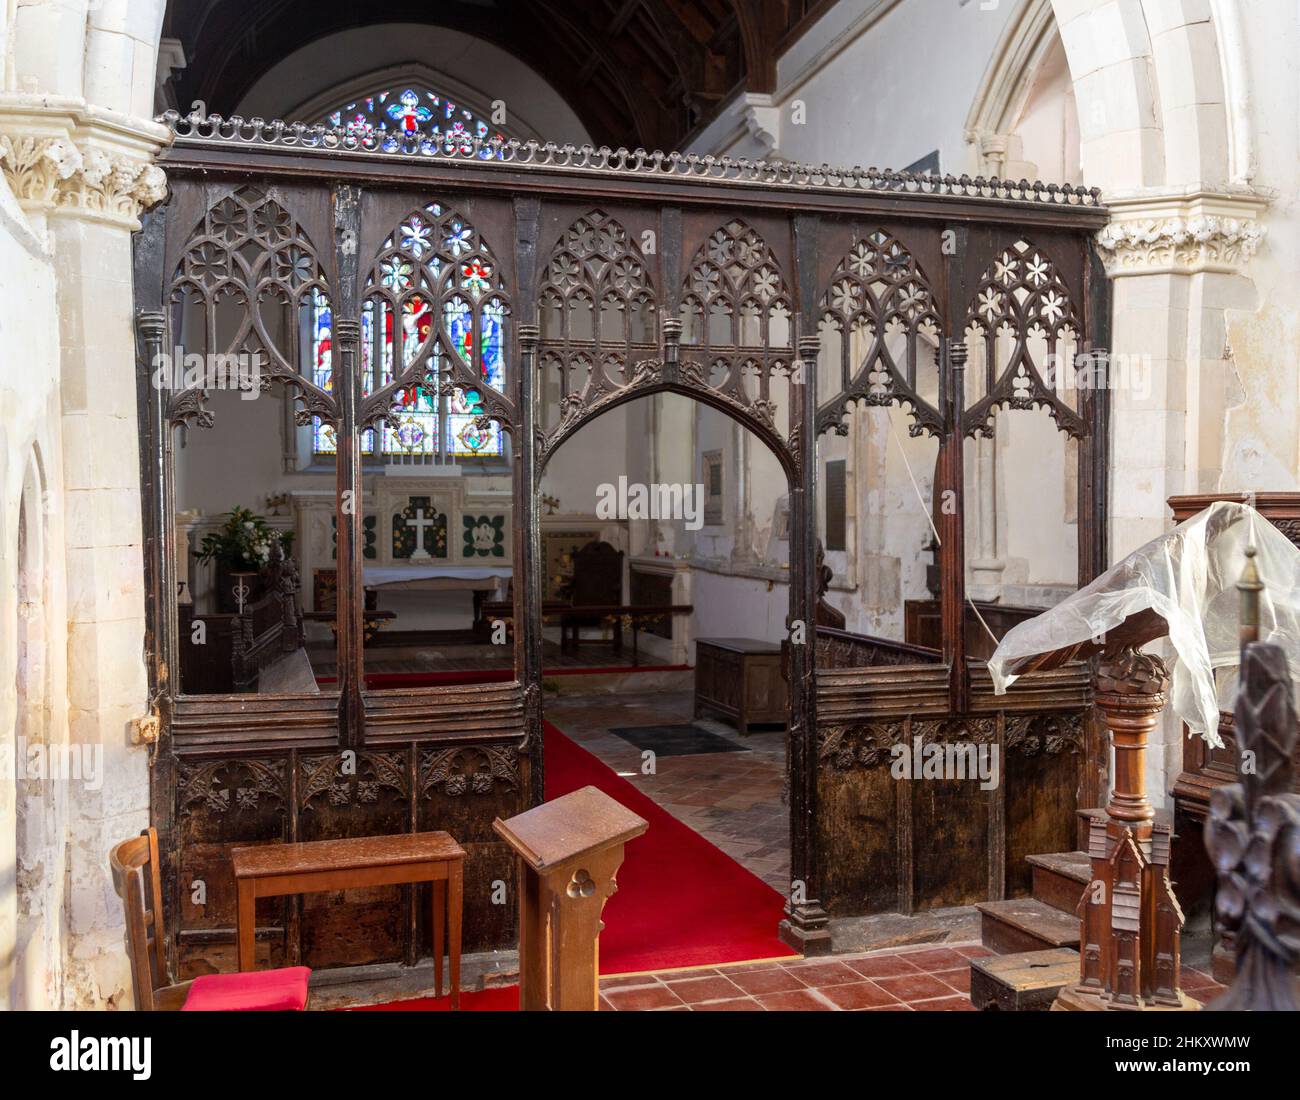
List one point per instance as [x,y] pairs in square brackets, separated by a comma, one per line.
[350,597]
[806,925]
[1129,918]
[949,493]
[529,459]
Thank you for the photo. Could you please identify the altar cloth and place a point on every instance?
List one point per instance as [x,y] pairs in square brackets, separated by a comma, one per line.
[436,576]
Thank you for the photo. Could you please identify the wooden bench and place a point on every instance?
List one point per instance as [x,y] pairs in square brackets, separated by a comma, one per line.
[273,870]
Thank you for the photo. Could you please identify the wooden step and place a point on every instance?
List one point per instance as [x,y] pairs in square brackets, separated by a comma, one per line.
[1060,878]
[1025,924]
[1027,981]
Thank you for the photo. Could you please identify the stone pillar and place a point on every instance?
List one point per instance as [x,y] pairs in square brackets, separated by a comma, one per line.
[83,176]
[1176,262]
[987,567]
[1177,265]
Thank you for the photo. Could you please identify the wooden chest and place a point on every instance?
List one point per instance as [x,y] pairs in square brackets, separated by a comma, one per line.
[740,679]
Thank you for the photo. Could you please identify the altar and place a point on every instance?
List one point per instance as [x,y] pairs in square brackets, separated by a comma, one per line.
[432,549]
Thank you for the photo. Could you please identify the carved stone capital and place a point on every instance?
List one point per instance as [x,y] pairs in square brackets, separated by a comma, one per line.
[66,158]
[1183,234]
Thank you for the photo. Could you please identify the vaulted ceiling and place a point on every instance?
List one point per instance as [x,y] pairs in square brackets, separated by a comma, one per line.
[637,72]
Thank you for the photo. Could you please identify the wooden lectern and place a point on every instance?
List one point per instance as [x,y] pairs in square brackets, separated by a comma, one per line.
[569,851]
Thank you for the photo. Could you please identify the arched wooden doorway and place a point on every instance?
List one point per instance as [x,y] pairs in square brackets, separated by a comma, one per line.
[720,324]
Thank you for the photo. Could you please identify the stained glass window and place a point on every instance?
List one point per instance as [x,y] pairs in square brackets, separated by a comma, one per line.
[397,117]
[433,291]
[322,373]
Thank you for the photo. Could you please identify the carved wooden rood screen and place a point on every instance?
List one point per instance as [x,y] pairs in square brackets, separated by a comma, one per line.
[601,278]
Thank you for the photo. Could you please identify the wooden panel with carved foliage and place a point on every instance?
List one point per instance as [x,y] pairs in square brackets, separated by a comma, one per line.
[345,795]
[956,828]
[893,843]
[858,824]
[469,786]
[222,804]
[319,794]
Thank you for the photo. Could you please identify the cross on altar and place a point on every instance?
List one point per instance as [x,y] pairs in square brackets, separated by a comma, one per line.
[421,523]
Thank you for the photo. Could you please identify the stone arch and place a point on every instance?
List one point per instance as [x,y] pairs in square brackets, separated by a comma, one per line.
[1160,93]
[35,931]
[1028,51]
[1153,106]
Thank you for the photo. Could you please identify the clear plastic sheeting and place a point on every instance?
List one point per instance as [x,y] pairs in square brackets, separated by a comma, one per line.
[1189,578]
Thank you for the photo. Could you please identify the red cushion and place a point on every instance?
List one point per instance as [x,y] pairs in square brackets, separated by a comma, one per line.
[282,990]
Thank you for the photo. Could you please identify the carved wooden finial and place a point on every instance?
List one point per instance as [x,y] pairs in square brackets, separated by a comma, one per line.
[1253,837]
[1250,586]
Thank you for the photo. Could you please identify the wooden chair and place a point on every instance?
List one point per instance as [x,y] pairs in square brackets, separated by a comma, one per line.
[597,581]
[138,882]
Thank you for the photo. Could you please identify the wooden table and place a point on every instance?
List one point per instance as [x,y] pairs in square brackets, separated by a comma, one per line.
[740,679]
[273,870]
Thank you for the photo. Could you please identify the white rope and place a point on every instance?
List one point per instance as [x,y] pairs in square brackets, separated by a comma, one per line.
[929,518]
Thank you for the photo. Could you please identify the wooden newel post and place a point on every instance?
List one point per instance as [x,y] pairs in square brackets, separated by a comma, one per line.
[569,851]
[1130,921]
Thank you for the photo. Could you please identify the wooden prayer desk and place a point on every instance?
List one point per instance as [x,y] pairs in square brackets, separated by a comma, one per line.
[569,851]
[273,870]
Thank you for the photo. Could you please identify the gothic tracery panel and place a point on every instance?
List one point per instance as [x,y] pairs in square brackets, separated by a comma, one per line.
[880,335]
[1023,329]
[736,315]
[598,333]
[434,341]
[249,296]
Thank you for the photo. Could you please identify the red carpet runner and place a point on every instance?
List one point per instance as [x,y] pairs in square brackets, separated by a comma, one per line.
[680,901]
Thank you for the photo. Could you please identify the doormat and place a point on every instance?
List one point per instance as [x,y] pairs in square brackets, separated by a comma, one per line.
[677,740]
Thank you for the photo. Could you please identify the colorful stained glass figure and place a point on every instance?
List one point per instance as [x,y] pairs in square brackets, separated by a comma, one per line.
[492,338]
[322,370]
[459,322]
[475,277]
[416,117]
[409,112]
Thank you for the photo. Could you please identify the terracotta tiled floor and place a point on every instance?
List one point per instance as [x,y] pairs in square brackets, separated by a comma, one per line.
[733,799]
[916,979]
